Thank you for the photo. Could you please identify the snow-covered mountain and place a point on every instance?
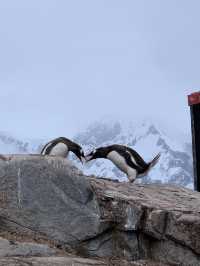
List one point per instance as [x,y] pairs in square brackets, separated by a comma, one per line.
[148,139]
[10,144]
[13,145]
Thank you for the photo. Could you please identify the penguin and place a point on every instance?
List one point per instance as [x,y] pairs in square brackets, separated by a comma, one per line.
[125,158]
[61,147]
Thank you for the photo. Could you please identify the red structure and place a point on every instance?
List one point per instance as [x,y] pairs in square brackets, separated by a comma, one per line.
[194,103]
[194,98]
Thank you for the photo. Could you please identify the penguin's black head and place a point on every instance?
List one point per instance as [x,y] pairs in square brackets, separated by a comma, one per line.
[78,151]
[97,153]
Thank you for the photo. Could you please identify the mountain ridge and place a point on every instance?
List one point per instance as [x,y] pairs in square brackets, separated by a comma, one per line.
[146,137]
[175,165]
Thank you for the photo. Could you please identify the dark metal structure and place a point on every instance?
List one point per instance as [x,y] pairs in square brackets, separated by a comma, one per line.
[194,103]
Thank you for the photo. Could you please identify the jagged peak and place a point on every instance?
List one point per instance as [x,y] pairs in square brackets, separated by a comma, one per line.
[111,129]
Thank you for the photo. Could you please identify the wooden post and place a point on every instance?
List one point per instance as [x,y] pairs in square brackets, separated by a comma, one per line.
[194,103]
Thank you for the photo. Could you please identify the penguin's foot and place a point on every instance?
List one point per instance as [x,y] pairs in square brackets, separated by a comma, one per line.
[131,179]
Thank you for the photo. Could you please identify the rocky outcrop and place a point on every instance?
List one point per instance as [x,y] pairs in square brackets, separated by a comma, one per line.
[47,200]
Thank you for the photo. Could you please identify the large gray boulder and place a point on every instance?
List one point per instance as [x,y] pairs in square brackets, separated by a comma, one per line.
[47,198]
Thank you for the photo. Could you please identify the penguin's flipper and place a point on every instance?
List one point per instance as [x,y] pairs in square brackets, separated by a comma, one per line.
[129,161]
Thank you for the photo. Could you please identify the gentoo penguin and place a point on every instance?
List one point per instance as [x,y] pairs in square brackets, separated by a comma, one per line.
[126,159]
[61,147]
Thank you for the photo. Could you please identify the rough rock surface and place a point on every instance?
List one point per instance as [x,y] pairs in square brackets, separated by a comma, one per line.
[70,261]
[50,261]
[15,248]
[46,198]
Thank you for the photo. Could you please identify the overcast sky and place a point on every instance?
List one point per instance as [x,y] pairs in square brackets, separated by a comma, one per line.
[66,63]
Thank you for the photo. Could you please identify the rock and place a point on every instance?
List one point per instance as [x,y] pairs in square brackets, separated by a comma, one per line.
[70,261]
[14,248]
[166,218]
[50,261]
[47,198]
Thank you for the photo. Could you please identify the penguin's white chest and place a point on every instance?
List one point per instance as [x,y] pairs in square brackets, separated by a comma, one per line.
[60,150]
[121,163]
[118,160]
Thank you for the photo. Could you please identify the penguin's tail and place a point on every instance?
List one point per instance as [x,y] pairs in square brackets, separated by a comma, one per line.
[155,160]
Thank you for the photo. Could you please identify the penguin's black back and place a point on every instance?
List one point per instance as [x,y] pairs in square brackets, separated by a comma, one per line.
[140,165]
